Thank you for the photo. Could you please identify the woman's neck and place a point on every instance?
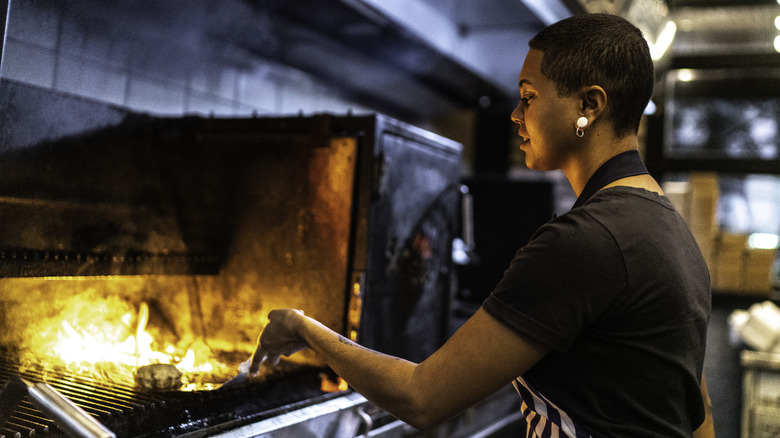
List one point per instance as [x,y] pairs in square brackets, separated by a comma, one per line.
[592,155]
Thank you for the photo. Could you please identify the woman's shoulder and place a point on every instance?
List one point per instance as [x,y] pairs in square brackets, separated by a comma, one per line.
[575,235]
[636,197]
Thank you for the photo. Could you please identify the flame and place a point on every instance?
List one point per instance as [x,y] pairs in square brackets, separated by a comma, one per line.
[332,385]
[109,340]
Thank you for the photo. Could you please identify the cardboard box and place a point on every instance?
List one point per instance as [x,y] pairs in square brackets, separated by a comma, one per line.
[679,193]
[729,262]
[702,214]
[758,270]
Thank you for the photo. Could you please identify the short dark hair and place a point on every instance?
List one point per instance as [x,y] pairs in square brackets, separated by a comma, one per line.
[604,50]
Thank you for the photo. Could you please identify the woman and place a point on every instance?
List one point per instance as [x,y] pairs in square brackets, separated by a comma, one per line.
[600,321]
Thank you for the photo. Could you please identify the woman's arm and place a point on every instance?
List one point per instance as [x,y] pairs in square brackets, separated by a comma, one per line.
[707,429]
[480,358]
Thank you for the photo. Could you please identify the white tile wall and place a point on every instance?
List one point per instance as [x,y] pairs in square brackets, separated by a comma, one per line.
[28,63]
[34,25]
[253,86]
[84,77]
[157,96]
[44,48]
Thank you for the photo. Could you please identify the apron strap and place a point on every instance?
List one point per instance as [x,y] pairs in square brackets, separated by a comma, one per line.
[620,166]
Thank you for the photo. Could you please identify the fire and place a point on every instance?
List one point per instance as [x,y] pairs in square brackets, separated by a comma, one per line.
[329,384]
[109,339]
[77,346]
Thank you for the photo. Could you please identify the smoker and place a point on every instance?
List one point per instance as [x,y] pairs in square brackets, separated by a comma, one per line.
[191,230]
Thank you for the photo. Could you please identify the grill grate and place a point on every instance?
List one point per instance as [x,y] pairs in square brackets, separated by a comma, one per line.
[132,412]
[102,401]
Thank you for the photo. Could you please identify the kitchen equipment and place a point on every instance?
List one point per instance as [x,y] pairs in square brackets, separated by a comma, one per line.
[760,389]
[68,416]
[212,223]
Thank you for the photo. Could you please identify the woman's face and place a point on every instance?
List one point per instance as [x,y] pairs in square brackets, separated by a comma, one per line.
[546,120]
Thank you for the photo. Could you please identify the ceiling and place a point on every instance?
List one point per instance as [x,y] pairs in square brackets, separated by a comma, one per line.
[411,59]
[469,53]
[415,59]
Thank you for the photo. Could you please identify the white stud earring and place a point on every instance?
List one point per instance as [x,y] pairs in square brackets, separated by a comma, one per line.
[581,123]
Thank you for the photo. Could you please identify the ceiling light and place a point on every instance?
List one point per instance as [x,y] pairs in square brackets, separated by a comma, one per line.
[777,42]
[685,75]
[777,20]
[663,41]
[763,241]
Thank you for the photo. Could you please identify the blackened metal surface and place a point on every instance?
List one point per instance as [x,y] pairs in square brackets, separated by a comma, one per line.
[158,196]
[413,220]
[132,412]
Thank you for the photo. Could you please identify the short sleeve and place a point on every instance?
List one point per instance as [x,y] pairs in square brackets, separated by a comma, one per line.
[570,272]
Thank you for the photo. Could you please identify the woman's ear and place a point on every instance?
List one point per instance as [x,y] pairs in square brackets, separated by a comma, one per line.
[594,101]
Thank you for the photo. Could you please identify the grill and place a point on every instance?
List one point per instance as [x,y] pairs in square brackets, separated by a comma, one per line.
[211,223]
[128,411]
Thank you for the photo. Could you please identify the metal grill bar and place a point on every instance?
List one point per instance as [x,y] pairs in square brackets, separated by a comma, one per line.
[31,418]
[66,414]
[8,433]
[61,390]
[131,412]
[21,429]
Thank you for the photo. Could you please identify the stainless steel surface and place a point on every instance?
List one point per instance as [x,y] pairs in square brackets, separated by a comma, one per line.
[736,30]
[338,418]
[760,394]
[5,10]
[352,416]
[69,417]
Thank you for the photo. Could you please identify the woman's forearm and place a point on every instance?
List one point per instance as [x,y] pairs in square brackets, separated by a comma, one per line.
[387,381]
[707,429]
[480,358]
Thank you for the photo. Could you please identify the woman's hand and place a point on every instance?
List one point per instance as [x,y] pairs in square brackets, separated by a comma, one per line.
[479,359]
[279,338]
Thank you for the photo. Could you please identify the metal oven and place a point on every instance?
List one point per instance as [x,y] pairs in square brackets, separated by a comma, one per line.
[139,260]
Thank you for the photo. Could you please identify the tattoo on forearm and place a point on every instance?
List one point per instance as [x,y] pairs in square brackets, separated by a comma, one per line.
[352,343]
[346,341]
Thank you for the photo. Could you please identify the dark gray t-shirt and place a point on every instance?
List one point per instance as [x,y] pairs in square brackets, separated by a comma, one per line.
[620,291]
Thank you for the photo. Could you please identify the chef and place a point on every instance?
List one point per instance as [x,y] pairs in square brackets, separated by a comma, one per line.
[599,321]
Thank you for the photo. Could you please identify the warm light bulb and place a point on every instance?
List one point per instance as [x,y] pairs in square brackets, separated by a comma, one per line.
[777,43]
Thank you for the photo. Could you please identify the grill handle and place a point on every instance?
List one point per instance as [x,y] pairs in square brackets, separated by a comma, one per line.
[366,421]
[70,418]
[463,246]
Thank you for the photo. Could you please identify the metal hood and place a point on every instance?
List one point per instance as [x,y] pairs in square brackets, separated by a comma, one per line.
[411,59]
